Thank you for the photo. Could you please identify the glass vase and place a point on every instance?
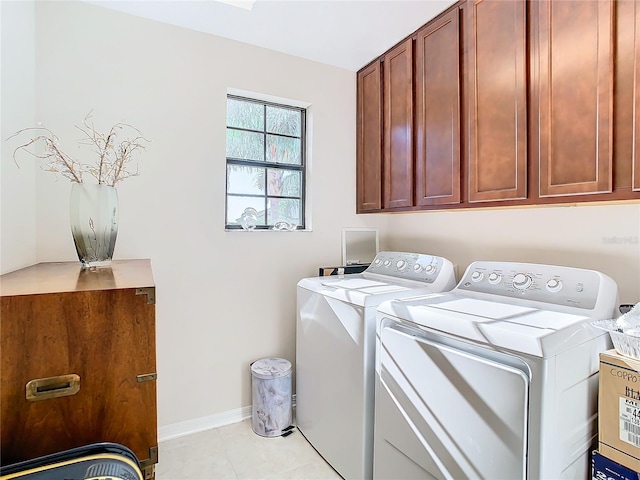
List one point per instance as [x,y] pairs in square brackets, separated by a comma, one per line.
[93,213]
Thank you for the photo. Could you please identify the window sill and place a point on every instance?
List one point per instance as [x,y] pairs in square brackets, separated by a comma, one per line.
[266,230]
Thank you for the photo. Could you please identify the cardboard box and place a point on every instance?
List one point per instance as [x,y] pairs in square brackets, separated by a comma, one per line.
[603,468]
[619,409]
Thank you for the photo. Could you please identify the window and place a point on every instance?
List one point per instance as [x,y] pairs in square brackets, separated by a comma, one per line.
[265,165]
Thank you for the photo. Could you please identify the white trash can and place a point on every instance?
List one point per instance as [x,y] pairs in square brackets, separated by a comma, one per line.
[271,410]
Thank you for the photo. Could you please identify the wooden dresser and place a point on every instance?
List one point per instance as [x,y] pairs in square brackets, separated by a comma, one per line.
[78,360]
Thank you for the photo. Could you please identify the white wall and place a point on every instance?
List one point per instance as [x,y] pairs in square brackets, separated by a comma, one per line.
[17,110]
[603,237]
[224,299]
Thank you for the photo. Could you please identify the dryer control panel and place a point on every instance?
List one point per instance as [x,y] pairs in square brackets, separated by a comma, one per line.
[568,286]
[412,266]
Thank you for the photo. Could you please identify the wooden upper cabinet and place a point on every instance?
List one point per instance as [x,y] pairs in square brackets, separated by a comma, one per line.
[574,96]
[624,97]
[636,98]
[369,139]
[437,78]
[495,32]
[507,101]
[398,126]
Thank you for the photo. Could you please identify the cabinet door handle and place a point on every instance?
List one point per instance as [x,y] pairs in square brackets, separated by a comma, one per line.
[53,387]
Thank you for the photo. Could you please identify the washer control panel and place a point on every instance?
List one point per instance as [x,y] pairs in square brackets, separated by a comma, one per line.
[557,285]
[411,266]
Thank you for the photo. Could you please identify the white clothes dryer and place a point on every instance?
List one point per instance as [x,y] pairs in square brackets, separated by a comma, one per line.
[335,352]
[496,379]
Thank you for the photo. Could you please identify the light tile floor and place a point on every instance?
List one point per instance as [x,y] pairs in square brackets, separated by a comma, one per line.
[235,452]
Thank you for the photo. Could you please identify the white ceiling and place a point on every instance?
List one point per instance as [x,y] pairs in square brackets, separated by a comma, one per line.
[344,33]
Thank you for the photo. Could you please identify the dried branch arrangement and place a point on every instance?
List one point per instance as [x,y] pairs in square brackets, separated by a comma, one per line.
[114,155]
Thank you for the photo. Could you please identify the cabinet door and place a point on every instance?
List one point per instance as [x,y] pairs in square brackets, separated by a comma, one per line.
[575,91]
[398,126]
[497,95]
[105,337]
[369,138]
[437,80]
[636,99]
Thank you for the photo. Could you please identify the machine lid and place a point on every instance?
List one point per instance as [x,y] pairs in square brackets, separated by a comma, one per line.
[355,283]
[518,328]
[363,291]
[368,287]
[390,275]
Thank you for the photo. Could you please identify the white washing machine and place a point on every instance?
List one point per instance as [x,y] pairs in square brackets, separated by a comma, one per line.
[335,349]
[497,379]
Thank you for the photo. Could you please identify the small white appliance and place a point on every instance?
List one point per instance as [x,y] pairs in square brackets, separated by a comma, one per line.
[335,349]
[496,379]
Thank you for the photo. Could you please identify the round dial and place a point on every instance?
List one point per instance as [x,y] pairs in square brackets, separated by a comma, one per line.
[477,276]
[429,269]
[417,268]
[554,285]
[494,278]
[522,281]
[401,265]
[387,263]
[377,261]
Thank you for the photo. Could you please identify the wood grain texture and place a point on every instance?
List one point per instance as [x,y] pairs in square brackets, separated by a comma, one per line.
[497,95]
[437,133]
[398,126]
[623,95]
[57,277]
[369,139]
[107,337]
[577,141]
[635,15]
[575,99]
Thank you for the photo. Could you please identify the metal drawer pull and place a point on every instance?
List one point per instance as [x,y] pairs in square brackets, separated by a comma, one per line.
[147,378]
[53,387]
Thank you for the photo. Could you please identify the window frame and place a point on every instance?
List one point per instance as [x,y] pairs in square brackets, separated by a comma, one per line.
[302,167]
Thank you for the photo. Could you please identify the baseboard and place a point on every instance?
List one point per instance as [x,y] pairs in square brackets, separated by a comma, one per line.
[180,429]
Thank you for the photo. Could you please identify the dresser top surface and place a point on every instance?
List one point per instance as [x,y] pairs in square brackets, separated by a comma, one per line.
[59,277]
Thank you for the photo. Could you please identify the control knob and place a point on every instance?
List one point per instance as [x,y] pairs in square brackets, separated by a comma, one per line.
[494,278]
[522,281]
[401,265]
[554,285]
[429,269]
[387,263]
[477,276]
[417,268]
